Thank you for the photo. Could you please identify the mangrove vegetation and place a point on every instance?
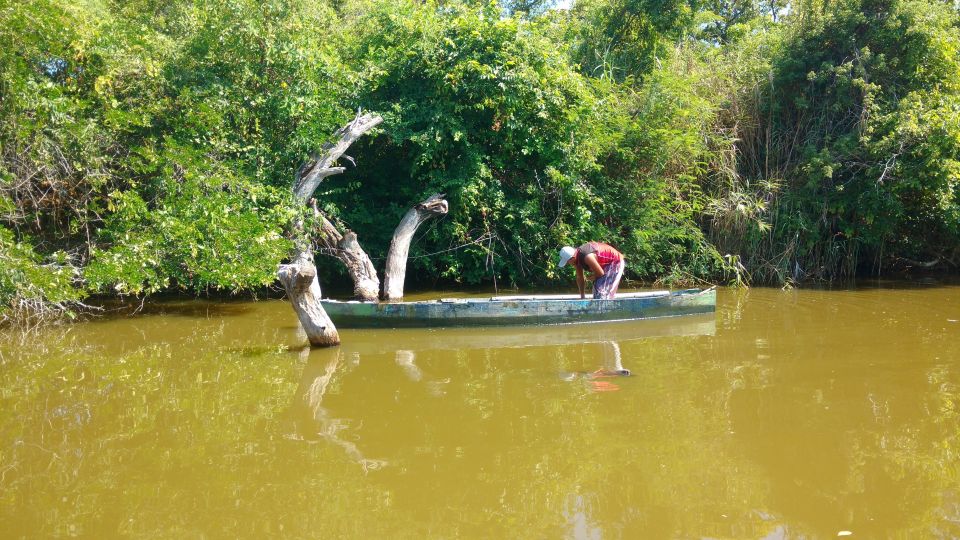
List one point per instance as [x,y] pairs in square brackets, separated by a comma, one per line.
[150,145]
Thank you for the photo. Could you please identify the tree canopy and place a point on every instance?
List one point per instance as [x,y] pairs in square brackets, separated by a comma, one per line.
[149,145]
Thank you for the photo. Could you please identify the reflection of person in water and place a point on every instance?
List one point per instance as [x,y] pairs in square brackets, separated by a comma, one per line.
[613,360]
[612,367]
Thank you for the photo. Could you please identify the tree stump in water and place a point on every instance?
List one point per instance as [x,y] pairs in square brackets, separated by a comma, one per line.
[299,278]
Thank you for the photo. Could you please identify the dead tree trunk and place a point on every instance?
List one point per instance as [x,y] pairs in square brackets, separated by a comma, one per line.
[299,277]
[396,270]
[366,284]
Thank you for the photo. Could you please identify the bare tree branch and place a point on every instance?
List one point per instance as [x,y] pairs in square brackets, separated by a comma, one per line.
[315,170]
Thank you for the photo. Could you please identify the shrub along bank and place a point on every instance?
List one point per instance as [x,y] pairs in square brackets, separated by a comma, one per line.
[149,145]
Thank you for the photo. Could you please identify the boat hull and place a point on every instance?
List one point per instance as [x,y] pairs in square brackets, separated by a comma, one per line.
[518,311]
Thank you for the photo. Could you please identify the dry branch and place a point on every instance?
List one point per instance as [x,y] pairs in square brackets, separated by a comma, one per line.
[344,246]
[316,169]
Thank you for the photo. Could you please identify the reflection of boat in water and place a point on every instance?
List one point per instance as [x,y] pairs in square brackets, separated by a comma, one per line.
[492,337]
[520,310]
[312,421]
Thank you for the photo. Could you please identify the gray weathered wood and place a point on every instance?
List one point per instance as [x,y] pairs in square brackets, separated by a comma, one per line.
[299,277]
[315,170]
[396,270]
[344,246]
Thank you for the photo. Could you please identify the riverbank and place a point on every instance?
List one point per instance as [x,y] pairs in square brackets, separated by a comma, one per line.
[105,306]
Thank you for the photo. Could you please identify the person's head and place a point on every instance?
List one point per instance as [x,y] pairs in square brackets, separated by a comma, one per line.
[566,253]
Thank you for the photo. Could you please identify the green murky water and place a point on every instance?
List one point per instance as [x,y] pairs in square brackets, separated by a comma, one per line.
[799,414]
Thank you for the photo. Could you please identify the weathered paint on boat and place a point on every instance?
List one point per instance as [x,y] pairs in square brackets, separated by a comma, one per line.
[499,311]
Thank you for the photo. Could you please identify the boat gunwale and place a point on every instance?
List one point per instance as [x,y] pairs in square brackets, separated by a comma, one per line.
[510,299]
[490,312]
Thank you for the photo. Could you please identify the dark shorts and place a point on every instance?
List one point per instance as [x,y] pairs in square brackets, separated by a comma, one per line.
[606,287]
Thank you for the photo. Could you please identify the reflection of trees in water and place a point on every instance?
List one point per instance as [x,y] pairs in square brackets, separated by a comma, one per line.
[730,310]
[665,436]
[739,435]
[558,459]
[577,511]
[849,425]
[836,458]
[104,444]
[407,360]
[314,421]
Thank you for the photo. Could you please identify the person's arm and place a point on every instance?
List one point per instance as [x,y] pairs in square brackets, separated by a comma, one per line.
[594,265]
[581,282]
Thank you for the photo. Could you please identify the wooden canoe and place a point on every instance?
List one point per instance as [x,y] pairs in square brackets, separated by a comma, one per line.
[520,310]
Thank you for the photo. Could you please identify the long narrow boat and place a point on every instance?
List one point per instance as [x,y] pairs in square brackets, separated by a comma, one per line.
[520,310]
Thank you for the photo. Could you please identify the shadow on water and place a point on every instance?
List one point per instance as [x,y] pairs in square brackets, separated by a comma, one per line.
[181,307]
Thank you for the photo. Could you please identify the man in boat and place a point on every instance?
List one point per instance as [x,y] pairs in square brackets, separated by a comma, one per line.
[604,263]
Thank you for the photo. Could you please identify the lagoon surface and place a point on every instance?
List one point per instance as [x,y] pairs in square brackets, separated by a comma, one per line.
[788,414]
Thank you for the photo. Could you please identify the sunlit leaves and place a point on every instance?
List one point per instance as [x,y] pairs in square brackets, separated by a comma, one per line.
[203,229]
[485,109]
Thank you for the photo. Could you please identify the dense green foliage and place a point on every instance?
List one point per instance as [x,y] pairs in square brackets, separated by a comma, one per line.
[150,145]
[484,111]
[857,125]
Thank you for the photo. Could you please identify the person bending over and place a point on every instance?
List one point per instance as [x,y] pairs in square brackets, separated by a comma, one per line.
[604,263]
